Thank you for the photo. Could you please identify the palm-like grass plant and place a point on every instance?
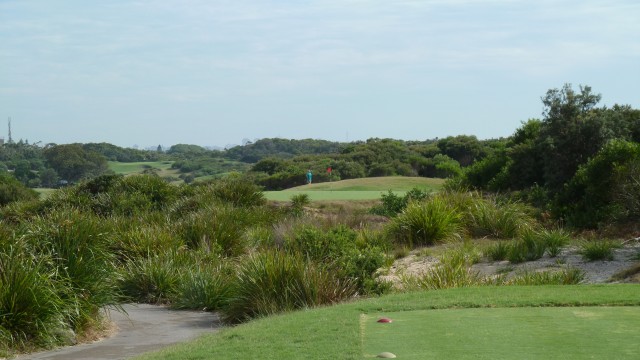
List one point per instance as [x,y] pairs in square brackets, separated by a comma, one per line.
[426,223]
[276,281]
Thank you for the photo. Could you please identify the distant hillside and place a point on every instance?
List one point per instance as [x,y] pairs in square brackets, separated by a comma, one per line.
[281,148]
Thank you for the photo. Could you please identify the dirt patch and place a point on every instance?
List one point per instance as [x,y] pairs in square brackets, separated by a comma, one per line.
[596,272]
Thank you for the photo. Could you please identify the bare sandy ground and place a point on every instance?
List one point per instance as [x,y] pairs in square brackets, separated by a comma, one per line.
[144,328]
[595,272]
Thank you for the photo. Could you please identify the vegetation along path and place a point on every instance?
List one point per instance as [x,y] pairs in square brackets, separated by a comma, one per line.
[144,328]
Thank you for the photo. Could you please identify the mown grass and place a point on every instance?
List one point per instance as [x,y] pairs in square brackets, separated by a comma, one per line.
[512,333]
[400,183]
[122,168]
[358,189]
[315,195]
[336,332]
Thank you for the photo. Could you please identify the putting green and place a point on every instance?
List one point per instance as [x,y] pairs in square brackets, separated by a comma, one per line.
[505,333]
[328,195]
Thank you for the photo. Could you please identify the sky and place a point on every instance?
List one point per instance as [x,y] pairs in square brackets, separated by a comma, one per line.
[220,72]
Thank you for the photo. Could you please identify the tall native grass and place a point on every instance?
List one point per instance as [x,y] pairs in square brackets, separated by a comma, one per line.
[275,281]
[32,312]
[595,250]
[487,218]
[531,245]
[453,270]
[206,287]
[155,279]
[221,228]
[426,223]
[76,246]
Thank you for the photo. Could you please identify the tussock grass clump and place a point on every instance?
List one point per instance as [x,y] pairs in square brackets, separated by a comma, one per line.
[274,281]
[31,309]
[453,271]
[568,276]
[238,191]
[146,240]
[486,218]
[298,202]
[220,229]
[498,251]
[426,223]
[204,287]
[598,249]
[529,247]
[77,246]
[555,240]
[155,279]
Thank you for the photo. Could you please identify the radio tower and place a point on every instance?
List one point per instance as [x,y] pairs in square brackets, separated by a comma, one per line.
[10,140]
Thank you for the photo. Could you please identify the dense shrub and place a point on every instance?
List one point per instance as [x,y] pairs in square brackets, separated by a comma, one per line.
[220,228]
[392,204]
[238,191]
[341,250]
[590,197]
[13,190]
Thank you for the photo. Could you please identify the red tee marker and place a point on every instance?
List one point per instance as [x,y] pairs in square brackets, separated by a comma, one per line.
[385,320]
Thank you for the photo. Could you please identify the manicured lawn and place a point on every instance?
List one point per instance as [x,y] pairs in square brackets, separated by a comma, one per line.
[138,167]
[374,183]
[44,192]
[506,333]
[529,322]
[358,189]
[328,195]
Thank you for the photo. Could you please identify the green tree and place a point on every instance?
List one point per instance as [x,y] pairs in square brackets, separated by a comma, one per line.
[13,190]
[72,162]
[569,136]
[49,178]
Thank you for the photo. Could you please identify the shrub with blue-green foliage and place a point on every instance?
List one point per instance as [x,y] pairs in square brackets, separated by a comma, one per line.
[340,249]
[392,204]
[589,198]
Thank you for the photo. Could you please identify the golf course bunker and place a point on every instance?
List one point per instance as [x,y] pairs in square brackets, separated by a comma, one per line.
[505,333]
[144,328]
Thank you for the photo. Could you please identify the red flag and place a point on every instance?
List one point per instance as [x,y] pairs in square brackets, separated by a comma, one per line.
[329,169]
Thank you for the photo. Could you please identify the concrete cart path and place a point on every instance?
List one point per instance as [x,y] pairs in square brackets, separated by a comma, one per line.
[145,328]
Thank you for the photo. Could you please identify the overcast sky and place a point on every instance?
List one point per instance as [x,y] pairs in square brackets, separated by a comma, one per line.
[210,72]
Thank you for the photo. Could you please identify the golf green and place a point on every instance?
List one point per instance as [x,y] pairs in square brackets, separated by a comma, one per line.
[505,333]
[329,195]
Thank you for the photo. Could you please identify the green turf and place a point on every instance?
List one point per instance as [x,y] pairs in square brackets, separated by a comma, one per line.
[328,195]
[357,189]
[385,183]
[138,167]
[336,332]
[506,333]
[44,192]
